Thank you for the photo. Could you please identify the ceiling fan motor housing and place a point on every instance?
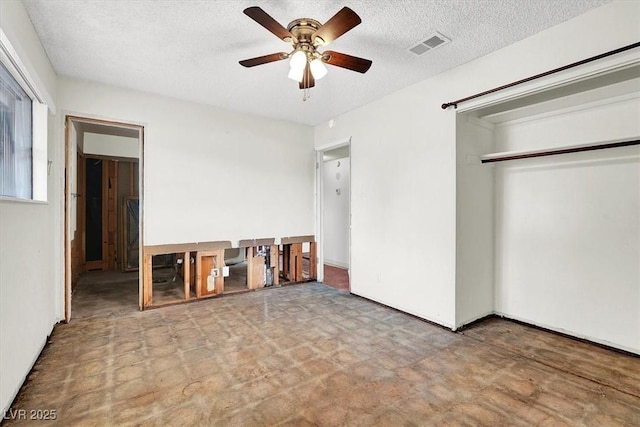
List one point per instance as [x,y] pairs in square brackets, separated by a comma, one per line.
[303,30]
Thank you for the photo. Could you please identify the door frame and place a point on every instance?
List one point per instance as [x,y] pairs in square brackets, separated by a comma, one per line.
[69,119]
[320,150]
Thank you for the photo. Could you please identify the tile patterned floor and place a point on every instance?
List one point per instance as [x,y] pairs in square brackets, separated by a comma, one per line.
[311,355]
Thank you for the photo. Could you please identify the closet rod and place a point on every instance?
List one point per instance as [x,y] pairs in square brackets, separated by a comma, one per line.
[537,76]
[560,151]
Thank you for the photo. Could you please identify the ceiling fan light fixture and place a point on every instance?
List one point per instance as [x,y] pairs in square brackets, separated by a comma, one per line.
[306,35]
[318,69]
[296,74]
[298,61]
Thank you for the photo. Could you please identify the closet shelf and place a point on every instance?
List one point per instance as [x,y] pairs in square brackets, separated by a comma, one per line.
[515,155]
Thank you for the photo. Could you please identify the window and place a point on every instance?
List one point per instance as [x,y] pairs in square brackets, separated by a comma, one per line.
[24,110]
[16,138]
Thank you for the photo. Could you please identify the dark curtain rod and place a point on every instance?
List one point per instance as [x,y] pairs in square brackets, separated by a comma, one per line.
[560,151]
[537,76]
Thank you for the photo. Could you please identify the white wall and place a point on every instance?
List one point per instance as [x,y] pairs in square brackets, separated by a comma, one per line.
[335,227]
[111,145]
[30,235]
[610,120]
[568,245]
[209,174]
[412,208]
[409,210]
[568,226]
[475,217]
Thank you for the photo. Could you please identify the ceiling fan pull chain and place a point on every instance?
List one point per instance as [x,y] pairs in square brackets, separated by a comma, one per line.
[306,92]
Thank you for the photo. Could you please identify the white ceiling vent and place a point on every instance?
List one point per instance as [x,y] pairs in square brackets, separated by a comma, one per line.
[431,42]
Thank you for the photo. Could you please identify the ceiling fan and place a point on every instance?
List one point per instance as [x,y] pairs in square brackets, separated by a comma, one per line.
[306,36]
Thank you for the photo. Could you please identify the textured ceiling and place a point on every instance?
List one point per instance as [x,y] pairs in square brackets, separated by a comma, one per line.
[190,49]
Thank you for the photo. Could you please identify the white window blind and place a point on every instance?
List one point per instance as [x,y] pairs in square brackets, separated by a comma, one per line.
[16,138]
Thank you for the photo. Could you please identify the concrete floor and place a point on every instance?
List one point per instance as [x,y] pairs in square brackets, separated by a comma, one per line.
[312,355]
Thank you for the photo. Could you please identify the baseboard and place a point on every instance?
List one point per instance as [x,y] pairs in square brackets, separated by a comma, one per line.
[558,331]
[568,334]
[475,320]
[403,311]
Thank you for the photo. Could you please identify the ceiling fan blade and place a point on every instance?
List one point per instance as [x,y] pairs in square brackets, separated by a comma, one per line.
[339,24]
[264,59]
[264,19]
[307,79]
[346,61]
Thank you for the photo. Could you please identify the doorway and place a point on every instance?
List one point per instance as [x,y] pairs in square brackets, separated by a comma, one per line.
[103,177]
[334,201]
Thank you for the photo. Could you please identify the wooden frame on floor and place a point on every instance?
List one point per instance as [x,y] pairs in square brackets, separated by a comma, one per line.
[207,254]
[292,258]
[210,255]
[256,263]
